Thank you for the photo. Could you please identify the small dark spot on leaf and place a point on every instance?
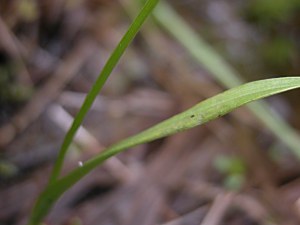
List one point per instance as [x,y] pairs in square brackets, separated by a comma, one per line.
[192,116]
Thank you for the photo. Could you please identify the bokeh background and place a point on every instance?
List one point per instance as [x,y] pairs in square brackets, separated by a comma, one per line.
[231,171]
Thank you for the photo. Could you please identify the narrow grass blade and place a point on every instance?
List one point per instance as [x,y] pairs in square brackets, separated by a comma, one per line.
[53,190]
[199,114]
[222,72]
[108,68]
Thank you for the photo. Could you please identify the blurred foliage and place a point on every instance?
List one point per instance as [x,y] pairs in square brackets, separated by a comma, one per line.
[268,12]
[7,169]
[28,11]
[276,24]
[278,52]
[234,170]
[10,91]
[76,221]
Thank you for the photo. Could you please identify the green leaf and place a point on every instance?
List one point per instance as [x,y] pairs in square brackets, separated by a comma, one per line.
[99,83]
[213,62]
[201,113]
[55,188]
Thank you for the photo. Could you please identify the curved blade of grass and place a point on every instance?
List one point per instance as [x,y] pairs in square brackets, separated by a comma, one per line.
[223,72]
[201,113]
[109,66]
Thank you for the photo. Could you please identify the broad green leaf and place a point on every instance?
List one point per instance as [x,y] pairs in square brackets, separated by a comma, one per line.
[199,114]
[213,62]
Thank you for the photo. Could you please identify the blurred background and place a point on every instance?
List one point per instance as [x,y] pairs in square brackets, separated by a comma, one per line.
[232,171]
